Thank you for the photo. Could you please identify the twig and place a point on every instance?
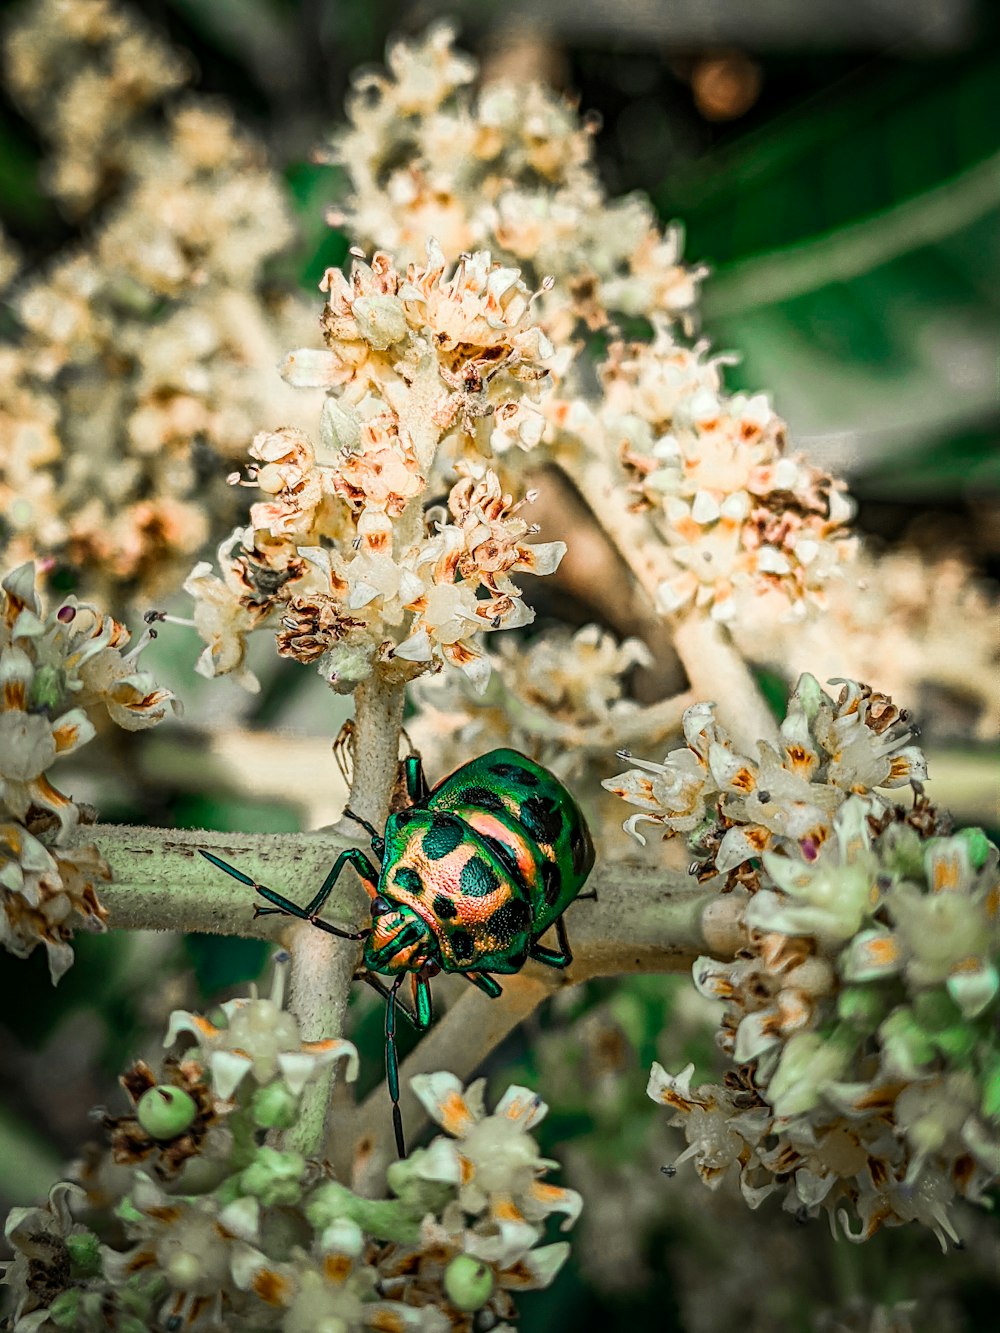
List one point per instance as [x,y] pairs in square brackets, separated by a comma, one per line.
[323,965]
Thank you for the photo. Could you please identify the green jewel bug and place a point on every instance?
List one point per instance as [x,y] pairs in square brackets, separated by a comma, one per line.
[471,875]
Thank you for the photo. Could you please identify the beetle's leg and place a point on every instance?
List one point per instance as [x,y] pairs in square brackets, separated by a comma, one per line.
[377,985]
[561,957]
[591,894]
[285,905]
[392,1064]
[423,1007]
[485,983]
[416,783]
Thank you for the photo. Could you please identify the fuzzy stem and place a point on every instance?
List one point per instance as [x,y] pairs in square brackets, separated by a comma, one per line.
[718,673]
[161,883]
[323,966]
[714,668]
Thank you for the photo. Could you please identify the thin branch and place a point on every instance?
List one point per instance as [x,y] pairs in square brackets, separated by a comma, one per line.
[718,673]
[323,965]
[715,670]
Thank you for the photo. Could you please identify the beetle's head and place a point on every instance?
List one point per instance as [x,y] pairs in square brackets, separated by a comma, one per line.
[400,940]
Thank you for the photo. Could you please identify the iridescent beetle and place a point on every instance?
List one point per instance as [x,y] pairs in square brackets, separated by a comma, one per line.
[471,875]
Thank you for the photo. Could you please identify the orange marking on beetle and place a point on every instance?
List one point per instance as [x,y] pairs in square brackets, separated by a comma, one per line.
[487,824]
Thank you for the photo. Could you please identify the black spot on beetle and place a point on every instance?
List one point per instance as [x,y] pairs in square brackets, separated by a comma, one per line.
[510,919]
[502,854]
[408,880]
[581,849]
[542,817]
[478,878]
[461,945]
[551,882]
[442,837]
[482,798]
[522,777]
[444,907]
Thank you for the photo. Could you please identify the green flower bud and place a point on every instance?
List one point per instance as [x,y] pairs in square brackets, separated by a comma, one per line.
[85,1253]
[165,1112]
[977,844]
[274,1106]
[64,1309]
[48,688]
[907,1047]
[273,1177]
[991,1087]
[861,1006]
[389,1219]
[468,1283]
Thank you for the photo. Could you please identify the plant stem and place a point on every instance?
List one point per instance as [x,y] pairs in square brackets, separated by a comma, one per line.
[323,966]
[719,674]
[715,670]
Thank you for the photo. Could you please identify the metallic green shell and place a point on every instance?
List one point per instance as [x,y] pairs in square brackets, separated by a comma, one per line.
[489,860]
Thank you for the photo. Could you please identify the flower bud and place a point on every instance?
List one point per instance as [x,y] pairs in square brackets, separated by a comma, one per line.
[273,1177]
[381,320]
[468,1282]
[84,1252]
[166,1112]
[274,1106]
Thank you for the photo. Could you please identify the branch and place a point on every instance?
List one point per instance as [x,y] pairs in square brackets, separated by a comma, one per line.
[323,965]
[715,670]
[719,674]
[645,919]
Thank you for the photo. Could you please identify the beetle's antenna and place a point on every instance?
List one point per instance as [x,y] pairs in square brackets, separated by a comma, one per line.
[363,822]
[378,842]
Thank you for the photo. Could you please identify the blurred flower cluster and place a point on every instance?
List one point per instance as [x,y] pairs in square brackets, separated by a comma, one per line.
[429,373]
[145,353]
[56,669]
[508,169]
[199,1217]
[896,618]
[861,1011]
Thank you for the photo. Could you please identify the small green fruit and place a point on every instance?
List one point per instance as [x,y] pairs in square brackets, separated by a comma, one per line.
[468,1283]
[166,1111]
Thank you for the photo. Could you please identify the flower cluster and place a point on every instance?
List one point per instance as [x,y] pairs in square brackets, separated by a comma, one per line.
[428,373]
[731,515]
[87,72]
[218,1229]
[508,169]
[559,697]
[145,356]
[861,1011]
[56,669]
